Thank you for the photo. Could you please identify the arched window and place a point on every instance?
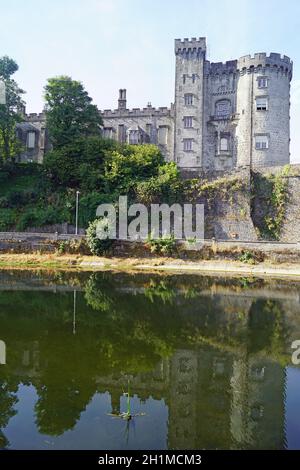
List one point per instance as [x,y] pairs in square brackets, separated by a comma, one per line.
[223,109]
[224,144]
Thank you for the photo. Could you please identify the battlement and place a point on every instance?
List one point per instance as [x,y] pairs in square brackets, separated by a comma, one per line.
[190,47]
[261,59]
[137,112]
[35,117]
[220,68]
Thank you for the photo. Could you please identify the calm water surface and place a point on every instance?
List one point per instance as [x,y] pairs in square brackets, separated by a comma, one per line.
[208,362]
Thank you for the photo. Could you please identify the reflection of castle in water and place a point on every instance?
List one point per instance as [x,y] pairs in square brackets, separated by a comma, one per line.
[222,390]
[214,400]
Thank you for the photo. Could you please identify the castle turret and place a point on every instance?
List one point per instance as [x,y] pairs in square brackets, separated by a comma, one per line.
[263,108]
[190,58]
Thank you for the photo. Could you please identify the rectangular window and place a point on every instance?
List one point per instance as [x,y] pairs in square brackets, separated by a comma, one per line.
[183,78]
[163,135]
[194,77]
[261,142]
[121,133]
[262,82]
[187,145]
[107,133]
[149,131]
[261,104]
[134,137]
[188,122]
[31,140]
[188,99]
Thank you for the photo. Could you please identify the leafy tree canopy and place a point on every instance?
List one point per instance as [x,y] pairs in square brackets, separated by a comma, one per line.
[9,111]
[69,111]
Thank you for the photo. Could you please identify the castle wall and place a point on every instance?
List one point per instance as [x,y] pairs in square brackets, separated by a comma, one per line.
[155,126]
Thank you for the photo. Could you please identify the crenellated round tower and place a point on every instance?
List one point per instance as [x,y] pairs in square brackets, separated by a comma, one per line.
[263,110]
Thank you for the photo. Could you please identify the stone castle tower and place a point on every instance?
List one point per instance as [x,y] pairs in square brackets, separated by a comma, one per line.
[226,115]
[233,114]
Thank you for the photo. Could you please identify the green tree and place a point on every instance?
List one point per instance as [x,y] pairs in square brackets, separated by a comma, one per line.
[69,111]
[10,115]
[79,163]
[131,164]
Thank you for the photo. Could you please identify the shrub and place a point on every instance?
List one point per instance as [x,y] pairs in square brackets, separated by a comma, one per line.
[98,246]
[165,245]
[247,257]
[7,219]
[166,187]
[4,202]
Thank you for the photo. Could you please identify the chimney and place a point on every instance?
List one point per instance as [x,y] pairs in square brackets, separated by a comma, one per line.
[122,99]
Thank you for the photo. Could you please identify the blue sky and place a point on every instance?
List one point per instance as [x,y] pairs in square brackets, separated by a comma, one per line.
[112,44]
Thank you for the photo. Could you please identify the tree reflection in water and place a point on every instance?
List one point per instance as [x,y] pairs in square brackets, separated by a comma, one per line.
[213,350]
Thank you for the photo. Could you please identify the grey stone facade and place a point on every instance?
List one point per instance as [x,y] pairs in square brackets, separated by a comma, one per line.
[34,137]
[230,115]
[226,115]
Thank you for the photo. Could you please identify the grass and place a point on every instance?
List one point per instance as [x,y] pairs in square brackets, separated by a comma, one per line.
[154,264]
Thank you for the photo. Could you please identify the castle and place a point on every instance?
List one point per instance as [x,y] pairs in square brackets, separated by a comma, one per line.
[225,116]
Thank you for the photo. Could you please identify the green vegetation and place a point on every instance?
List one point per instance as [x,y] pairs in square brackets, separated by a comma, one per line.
[247,257]
[99,245]
[270,194]
[101,170]
[70,112]
[164,245]
[32,195]
[9,112]
[223,188]
[121,332]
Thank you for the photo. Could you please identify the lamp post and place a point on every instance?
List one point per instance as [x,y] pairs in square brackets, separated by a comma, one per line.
[77,205]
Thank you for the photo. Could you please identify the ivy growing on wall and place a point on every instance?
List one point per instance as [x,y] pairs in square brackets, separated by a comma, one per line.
[269,195]
[224,188]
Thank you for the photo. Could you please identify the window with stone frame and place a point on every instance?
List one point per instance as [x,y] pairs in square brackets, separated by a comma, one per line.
[30,144]
[262,82]
[262,103]
[134,137]
[121,133]
[107,132]
[223,108]
[188,122]
[187,145]
[224,144]
[163,135]
[188,99]
[261,142]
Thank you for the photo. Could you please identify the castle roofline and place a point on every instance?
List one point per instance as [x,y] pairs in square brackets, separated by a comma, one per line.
[248,63]
[261,59]
[188,46]
[137,112]
[35,117]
